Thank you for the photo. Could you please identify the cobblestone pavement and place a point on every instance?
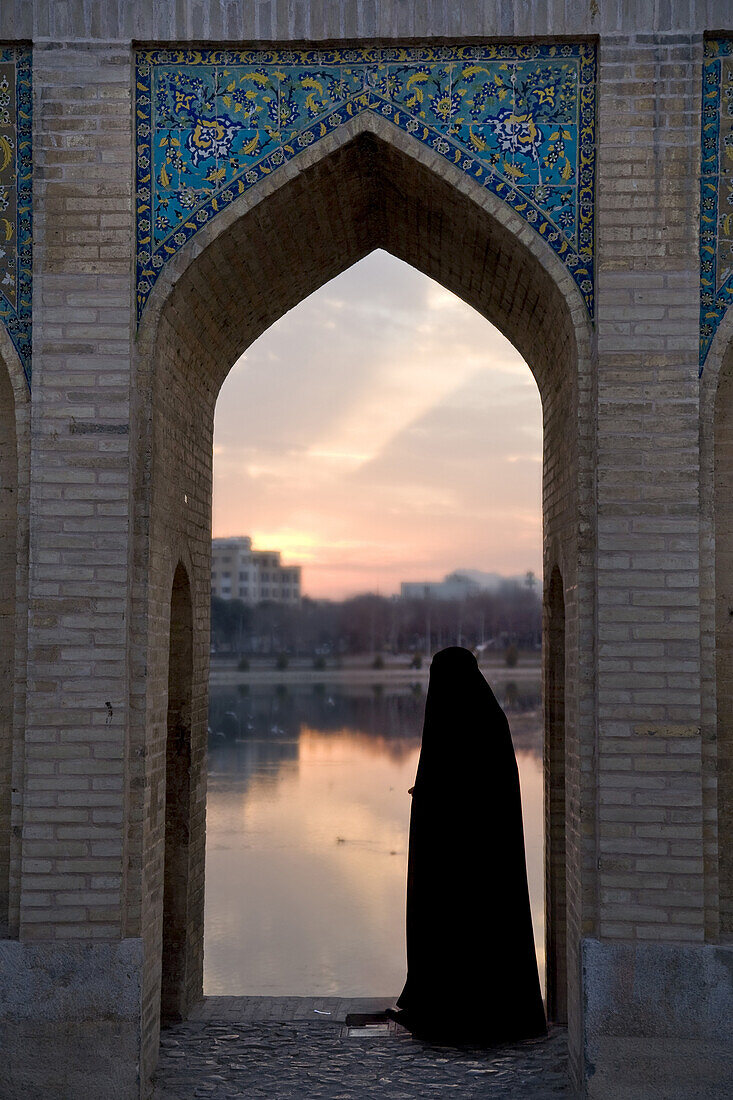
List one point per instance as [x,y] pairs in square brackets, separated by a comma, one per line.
[245,1048]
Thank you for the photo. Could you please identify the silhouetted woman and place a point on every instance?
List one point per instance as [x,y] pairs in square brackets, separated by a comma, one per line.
[471,966]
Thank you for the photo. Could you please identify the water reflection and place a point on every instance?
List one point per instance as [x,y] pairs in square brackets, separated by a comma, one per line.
[307,818]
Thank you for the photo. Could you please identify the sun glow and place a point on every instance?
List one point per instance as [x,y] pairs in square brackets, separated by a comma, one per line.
[381,433]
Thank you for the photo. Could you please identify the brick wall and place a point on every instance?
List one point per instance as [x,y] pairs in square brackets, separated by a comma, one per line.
[649,751]
[715,633]
[173,524]
[314,20]
[74,805]
[723,513]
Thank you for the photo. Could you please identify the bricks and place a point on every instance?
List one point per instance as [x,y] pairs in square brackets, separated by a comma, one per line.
[73,666]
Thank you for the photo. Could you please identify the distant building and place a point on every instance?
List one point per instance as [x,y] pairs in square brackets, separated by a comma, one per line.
[240,573]
[462,583]
[456,586]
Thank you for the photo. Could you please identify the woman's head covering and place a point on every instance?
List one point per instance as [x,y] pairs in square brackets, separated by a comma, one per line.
[464,723]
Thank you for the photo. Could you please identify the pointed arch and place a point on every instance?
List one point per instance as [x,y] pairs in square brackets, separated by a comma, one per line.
[366,186]
[387,191]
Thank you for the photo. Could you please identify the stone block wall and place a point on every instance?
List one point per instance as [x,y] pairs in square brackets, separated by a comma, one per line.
[172,525]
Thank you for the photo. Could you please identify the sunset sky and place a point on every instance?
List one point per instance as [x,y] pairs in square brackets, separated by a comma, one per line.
[381,431]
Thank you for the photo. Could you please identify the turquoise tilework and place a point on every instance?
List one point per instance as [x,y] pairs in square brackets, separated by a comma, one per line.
[16,196]
[519,119]
[716,190]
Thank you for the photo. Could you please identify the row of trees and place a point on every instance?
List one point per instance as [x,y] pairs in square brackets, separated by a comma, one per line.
[377,624]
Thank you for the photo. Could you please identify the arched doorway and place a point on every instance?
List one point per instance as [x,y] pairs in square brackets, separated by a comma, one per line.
[341,439]
[716,563]
[363,187]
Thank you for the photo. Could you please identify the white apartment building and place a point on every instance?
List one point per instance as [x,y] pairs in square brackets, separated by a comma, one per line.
[240,573]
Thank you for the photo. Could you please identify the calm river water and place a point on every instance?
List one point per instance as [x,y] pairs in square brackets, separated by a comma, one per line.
[307,819]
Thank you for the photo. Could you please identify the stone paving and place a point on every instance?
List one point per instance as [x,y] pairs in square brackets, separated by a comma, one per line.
[287,1048]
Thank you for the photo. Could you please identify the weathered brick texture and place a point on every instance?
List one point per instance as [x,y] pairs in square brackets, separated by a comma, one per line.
[650,794]
[14,478]
[74,802]
[367,193]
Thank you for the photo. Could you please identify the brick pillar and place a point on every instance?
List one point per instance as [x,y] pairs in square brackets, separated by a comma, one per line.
[647,977]
[73,857]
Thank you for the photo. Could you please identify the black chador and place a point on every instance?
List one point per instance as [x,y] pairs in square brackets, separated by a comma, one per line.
[471,965]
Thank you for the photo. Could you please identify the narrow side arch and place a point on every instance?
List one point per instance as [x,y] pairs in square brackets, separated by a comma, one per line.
[556,962]
[175,962]
[366,186]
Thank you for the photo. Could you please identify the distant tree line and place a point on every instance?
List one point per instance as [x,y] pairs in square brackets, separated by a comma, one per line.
[371,624]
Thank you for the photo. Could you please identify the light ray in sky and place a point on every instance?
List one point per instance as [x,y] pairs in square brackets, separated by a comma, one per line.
[381,431]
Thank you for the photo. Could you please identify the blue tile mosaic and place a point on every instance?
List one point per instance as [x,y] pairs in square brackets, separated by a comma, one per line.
[716,190]
[16,194]
[520,119]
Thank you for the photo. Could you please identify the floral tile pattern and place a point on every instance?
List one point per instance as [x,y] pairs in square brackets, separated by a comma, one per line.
[716,190]
[16,199]
[520,119]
